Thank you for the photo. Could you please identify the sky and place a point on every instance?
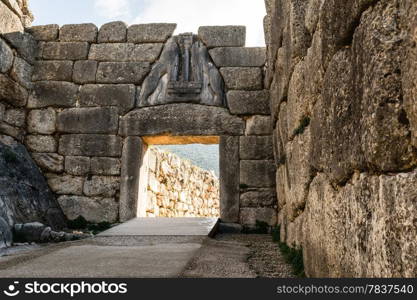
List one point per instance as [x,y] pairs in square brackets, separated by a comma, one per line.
[188,14]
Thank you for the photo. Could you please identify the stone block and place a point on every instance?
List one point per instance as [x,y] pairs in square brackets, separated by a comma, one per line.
[41,143]
[249,216]
[256,147]
[259,125]
[259,198]
[150,33]
[25,45]
[104,186]
[53,93]
[22,72]
[12,131]
[52,70]
[238,57]
[125,52]
[257,173]
[88,120]
[50,162]
[11,92]
[223,36]
[65,50]
[120,95]
[77,165]
[2,111]
[249,102]
[105,166]
[122,72]
[65,184]
[163,120]
[9,21]
[6,57]
[113,32]
[78,33]
[242,78]
[44,32]
[15,117]
[85,71]
[94,210]
[90,145]
[42,121]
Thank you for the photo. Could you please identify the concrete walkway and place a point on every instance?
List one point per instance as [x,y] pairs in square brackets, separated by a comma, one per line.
[139,248]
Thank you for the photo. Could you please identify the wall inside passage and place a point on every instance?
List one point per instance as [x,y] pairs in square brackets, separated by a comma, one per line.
[177,188]
[84,107]
[342,78]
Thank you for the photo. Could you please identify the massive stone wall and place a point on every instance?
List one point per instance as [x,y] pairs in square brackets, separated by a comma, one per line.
[24,193]
[82,112]
[342,77]
[177,188]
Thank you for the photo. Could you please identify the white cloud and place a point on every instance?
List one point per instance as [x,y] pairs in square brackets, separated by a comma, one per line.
[190,14]
[112,8]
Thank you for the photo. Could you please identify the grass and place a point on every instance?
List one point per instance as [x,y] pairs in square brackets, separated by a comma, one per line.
[304,122]
[292,256]
[82,223]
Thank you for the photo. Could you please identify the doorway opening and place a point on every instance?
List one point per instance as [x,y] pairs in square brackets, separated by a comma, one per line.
[179,177]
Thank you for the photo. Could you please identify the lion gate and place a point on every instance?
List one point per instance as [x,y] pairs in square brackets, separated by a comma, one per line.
[100,97]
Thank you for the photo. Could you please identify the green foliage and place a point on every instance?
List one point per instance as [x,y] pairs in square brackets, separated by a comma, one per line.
[9,156]
[82,223]
[243,186]
[305,121]
[292,256]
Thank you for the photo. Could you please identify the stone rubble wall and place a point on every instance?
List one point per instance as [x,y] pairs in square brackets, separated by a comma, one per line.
[342,80]
[177,188]
[83,105]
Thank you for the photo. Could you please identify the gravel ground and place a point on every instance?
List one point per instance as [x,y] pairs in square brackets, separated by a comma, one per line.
[265,258]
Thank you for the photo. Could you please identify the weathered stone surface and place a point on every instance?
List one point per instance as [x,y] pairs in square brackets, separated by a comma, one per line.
[44,32]
[9,22]
[223,36]
[248,102]
[85,71]
[259,198]
[2,111]
[65,50]
[242,78]
[249,216]
[104,186]
[94,210]
[256,147]
[6,57]
[53,93]
[24,194]
[88,120]
[105,166]
[52,70]
[257,173]
[78,33]
[229,178]
[150,33]
[181,119]
[41,143]
[121,95]
[15,117]
[201,83]
[65,184]
[42,121]
[122,72]
[49,162]
[90,145]
[77,165]
[258,125]
[11,92]
[238,57]
[113,32]
[132,156]
[22,72]
[25,45]
[125,52]
[17,133]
